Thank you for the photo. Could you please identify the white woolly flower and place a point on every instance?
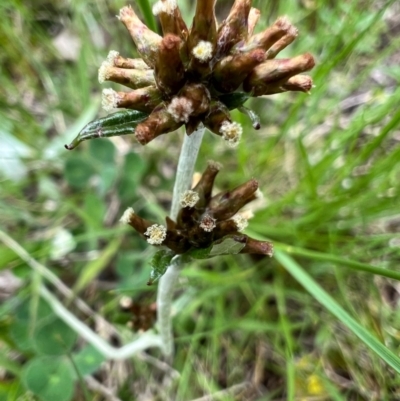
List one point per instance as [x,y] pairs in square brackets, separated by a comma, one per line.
[284,23]
[156,234]
[166,6]
[124,13]
[258,194]
[208,223]
[126,217]
[180,109]
[106,65]
[215,165]
[189,198]
[112,55]
[240,221]
[231,132]
[103,71]
[110,99]
[203,50]
[247,214]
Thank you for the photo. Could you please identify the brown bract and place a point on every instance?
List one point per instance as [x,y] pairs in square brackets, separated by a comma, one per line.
[204,219]
[181,75]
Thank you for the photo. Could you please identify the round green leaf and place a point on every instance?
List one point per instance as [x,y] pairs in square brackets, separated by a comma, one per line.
[24,311]
[88,360]
[78,171]
[52,379]
[20,334]
[102,152]
[54,337]
[132,172]
[107,176]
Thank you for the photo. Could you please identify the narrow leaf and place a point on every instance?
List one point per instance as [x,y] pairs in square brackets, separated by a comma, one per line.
[234,100]
[96,266]
[329,303]
[227,246]
[117,124]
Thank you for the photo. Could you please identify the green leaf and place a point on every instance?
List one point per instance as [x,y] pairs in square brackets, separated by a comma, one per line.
[226,246]
[23,311]
[107,177]
[102,152]
[329,303]
[145,7]
[159,263]
[203,253]
[54,337]
[21,335]
[94,210]
[234,100]
[88,360]
[132,172]
[78,171]
[49,378]
[120,123]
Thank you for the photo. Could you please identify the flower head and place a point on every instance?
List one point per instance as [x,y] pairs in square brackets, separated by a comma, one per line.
[156,234]
[189,198]
[231,132]
[185,76]
[203,51]
[204,218]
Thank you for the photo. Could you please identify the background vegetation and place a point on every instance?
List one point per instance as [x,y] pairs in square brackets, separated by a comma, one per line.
[246,328]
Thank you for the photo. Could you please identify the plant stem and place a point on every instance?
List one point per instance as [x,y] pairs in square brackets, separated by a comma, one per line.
[185,169]
[167,283]
[164,340]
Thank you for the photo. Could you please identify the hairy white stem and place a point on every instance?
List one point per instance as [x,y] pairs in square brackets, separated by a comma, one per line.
[167,283]
[164,340]
[53,279]
[143,342]
[185,170]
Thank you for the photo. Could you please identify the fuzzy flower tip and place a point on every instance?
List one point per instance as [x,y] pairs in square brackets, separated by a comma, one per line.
[167,6]
[189,198]
[240,221]
[258,194]
[112,55]
[208,223]
[214,165]
[110,99]
[103,71]
[156,234]
[180,109]
[126,217]
[203,51]
[106,65]
[231,132]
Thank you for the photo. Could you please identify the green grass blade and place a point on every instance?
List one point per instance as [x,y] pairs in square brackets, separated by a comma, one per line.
[148,16]
[326,257]
[97,265]
[287,334]
[329,303]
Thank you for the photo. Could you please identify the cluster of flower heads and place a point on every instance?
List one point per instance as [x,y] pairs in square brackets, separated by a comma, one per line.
[181,75]
[204,219]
